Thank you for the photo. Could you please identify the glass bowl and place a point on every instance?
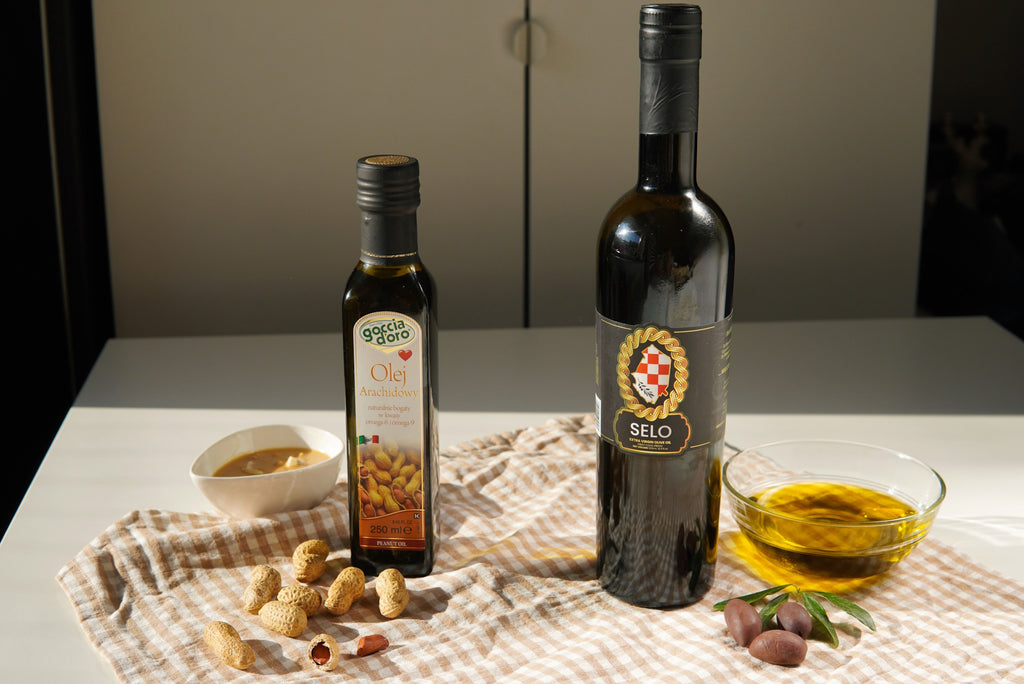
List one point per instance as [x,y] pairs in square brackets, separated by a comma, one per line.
[829,509]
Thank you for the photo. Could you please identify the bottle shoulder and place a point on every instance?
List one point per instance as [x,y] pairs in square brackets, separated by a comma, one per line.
[408,288]
[641,214]
[390,275]
[388,270]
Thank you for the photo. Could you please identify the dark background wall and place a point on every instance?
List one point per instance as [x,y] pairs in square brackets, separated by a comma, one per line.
[972,240]
[979,62]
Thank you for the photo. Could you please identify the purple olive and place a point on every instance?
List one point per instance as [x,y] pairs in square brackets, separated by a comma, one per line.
[742,621]
[794,618]
[779,647]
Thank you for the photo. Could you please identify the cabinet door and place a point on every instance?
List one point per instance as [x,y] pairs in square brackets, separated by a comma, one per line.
[813,131]
[230,133]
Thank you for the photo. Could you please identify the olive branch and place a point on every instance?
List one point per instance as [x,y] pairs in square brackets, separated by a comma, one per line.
[812,601]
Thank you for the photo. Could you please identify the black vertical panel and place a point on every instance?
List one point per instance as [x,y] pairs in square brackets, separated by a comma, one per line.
[526,170]
[80,180]
[58,311]
[972,237]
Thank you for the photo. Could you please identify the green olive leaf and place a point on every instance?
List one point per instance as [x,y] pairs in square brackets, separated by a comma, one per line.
[820,618]
[752,598]
[768,612]
[848,607]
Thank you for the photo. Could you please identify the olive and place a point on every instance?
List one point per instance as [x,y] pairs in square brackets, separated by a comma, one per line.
[779,647]
[794,618]
[742,621]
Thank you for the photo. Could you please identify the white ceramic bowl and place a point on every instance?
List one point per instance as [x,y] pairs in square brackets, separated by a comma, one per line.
[253,496]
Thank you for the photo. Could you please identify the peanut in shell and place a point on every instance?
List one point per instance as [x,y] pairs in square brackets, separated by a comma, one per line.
[392,595]
[306,598]
[348,586]
[309,560]
[223,640]
[383,460]
[283,618]
[264,583]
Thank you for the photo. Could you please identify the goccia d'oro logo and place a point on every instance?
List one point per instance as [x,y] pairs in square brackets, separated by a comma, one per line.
[387,332]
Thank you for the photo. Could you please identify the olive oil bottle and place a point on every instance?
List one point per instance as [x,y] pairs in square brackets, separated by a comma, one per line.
[664,305]
[389,323]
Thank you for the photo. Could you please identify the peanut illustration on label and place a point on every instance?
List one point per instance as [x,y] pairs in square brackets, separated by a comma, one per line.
[390,479]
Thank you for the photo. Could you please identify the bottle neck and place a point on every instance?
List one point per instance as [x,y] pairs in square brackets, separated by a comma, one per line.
[388,239]
[668,162]
[668,124]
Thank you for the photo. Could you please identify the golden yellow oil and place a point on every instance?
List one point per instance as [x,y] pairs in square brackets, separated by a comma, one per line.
[822,530]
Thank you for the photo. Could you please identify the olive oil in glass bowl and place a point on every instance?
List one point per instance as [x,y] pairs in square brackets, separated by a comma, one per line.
[827,510]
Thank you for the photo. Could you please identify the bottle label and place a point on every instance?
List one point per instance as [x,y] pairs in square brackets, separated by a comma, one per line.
[389,414]
[661,391]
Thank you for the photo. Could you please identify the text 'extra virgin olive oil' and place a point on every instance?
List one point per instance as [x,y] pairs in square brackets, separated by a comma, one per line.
[389,323]
[664,306]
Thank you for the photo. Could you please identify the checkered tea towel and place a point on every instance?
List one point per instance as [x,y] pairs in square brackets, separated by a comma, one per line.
[513,595]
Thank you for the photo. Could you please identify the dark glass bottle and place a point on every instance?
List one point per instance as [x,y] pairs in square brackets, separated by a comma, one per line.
[664,305]
[389,322]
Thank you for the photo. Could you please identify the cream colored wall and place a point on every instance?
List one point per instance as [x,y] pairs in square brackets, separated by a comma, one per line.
[813,130]
[230,131]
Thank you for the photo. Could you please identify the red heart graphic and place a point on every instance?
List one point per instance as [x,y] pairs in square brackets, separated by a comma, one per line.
[405,354]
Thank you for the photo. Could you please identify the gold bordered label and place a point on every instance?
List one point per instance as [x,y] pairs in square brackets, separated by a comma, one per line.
[658,370]
[661,391]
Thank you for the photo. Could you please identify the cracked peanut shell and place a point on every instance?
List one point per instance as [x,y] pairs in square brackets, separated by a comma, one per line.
[323,652]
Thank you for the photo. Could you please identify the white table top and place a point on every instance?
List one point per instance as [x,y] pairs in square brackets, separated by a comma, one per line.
[949,391]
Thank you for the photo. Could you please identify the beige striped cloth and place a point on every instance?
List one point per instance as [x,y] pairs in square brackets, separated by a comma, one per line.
[513,596]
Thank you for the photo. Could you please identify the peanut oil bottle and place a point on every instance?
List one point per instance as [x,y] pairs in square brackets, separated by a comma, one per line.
[389,322]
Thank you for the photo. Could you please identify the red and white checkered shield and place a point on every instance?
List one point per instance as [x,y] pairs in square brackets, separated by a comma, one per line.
[653,374]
